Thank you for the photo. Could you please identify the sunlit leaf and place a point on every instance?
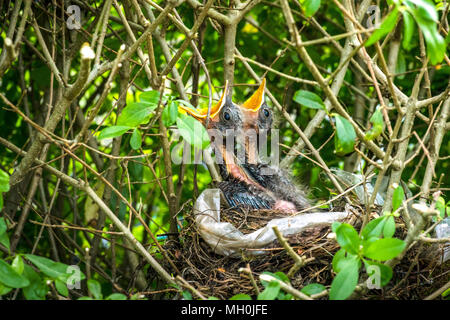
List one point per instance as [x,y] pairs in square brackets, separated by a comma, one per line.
[112,132]
[377,125]
[9,277]
[270,292]
[386,26]
[95,289]
[397,198]
[4,181]
[313,288]
[408,30]
[61,287]
[389,227]
[135,113]
[240,296]
[150,97]
[384,249]
[193,131]
[348,238]
[374,228]
[345,281]
[310,7]
[136,139]
[344,139]
[309,99]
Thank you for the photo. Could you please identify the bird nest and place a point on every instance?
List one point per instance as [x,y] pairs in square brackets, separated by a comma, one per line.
[418,275]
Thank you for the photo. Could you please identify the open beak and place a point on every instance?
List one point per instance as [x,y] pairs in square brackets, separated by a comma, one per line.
[250,110]
[201,114]
[254,103]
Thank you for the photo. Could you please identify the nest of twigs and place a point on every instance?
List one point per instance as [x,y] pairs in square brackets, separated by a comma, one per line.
[418,275]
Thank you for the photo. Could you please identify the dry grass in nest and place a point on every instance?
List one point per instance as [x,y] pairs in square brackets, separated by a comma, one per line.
[415,277]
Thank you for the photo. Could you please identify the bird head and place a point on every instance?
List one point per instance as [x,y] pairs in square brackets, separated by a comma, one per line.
[224,126]
[257,114]
[257,121]
[224,115]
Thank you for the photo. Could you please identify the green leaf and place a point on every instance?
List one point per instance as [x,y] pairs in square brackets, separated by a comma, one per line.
[187,104]
[53,269]
[215,298]
[95,289]
[150,97]
[408,31]
[344,139]
[400,69]
[335,225]
[136,169]
[270,292]
[446,293]
[386,27]
[170,114]
[135,113]
[17,264]
[9,277]
[342,258]
[345,281]
[313,288]
[3,226]
[37,288]
[427,18]
[187,295]
[4,181]
[281,276]
[374,228]
[136,139]
[4,289]
[112,132]
[389,227]
[376,269]
[384,249]
[310,7]
[278,275]
[377,125]
[240,296]
[85,298]
[337,258]
[61,287]
[309,100]
[423,8]
[116,296]
[193,131]
[348,238]
[440,206]
[397,198]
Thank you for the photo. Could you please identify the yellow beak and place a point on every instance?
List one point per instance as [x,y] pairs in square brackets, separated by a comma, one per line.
[202,113]
[255,102]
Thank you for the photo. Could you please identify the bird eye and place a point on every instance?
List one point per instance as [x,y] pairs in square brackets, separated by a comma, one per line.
[227,116]
[266,113]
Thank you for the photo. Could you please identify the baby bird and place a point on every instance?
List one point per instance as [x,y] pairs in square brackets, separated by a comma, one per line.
[225,126]
[258,117]
[248,182]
